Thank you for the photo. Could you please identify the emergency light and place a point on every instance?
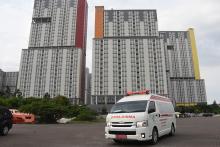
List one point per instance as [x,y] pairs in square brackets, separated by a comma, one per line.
[138,92]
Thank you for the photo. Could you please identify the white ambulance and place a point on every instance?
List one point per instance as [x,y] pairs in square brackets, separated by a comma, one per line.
[141,116]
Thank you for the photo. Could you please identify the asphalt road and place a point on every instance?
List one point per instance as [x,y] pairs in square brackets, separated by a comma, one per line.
[192,132]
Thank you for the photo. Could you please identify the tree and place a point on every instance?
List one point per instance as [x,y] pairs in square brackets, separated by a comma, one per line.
[18,93]
[47,111]
[14,102]
[47,96]
[215,103]
[86,114]
[8,92]
[2,93]
[104,110]
[3,102]
[62,100]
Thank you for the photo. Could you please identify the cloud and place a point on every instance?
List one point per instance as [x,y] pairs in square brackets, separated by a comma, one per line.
[14,31]
[210,74]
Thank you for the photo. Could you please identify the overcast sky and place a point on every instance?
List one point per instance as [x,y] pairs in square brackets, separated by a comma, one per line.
[202,15]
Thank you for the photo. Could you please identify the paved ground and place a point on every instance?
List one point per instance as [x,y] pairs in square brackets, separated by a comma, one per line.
[192,132]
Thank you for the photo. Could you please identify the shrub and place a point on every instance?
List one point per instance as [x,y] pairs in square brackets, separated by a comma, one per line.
[3,102]
[104,110]
[47,112]
[50,113]
[50,110]
[31,100]
[15,103]
[61,100]
[86,114]
[72,111]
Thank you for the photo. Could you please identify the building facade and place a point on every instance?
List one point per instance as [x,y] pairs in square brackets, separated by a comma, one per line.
[88,87]
[1,79]
[54,62]
[182,66]
[11,79]
[130,54]
[8,81]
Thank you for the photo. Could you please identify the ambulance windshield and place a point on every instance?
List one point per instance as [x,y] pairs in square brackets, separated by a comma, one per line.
[130,107]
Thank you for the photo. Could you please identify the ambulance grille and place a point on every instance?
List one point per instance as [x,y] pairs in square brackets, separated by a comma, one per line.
[123,132]
[123,124]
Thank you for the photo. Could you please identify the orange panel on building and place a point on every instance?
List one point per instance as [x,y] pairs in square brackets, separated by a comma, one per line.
[99,22]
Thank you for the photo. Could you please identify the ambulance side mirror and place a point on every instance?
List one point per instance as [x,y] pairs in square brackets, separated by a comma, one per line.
[151,111]
[152,107]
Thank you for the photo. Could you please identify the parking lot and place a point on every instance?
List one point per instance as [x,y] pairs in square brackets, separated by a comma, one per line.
[192,132]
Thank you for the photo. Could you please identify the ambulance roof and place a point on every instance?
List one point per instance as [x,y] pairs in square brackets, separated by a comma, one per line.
[137,97]
[140,97]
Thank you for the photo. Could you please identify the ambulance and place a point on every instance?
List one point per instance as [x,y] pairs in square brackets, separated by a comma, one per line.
[141,116]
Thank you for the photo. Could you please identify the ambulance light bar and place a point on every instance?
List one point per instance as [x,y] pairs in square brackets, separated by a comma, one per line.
[138,92]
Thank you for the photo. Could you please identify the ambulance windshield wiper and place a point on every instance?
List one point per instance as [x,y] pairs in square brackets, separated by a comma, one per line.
[137,111]
[119,111]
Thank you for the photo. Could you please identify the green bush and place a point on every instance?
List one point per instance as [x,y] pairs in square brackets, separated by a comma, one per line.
[72,111]
[15,103]
[61,100]
[46,110]
[203,108]
[50,113]
[86,114]
[104,110]
[50,110]
[3,102]
[31,100]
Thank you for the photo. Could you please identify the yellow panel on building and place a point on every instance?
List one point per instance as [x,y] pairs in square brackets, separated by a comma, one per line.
[185,104]
[194,53]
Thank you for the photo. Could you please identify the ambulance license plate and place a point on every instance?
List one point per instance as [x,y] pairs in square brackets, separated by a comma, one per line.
[121,137]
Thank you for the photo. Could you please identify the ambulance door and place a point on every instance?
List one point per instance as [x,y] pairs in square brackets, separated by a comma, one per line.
[153,119]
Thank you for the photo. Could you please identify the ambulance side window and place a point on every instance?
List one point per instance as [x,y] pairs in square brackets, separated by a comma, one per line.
[152,107]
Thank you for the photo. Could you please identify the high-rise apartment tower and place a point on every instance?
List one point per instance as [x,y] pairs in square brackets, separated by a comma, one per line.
[182,67]
[8,81]
[54,62]
[130,54]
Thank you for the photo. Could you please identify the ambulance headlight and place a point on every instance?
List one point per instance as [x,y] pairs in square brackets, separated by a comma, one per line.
[142,124]
[108,124]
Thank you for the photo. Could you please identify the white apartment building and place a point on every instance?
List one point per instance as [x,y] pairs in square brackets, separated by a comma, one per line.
[54,62]
[130,54]
[184,82]
[8,81]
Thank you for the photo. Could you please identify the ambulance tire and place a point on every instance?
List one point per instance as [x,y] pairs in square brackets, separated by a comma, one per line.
[155,136]
[117,141]
[172,131]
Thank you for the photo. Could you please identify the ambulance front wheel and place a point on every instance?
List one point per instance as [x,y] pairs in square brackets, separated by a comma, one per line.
[117,141]
[155,136]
